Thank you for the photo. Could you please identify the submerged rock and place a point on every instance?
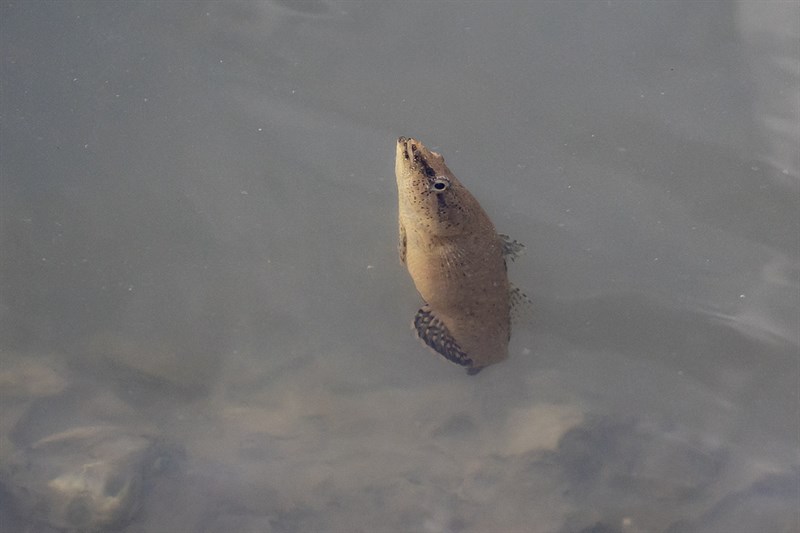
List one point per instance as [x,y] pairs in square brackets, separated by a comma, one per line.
[28,378]
[24,380]
[156,365]
[88,478]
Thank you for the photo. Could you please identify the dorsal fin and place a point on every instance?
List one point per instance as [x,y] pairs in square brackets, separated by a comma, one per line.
[434,333]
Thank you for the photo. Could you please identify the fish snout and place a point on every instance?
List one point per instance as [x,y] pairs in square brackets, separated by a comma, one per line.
[407,148]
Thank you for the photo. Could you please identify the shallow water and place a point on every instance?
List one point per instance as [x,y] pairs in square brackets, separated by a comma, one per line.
[199,243]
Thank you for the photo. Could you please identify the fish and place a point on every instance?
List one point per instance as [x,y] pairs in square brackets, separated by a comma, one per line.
[456,259]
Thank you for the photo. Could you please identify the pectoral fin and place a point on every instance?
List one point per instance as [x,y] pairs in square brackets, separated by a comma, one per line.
[511,248]
[401,243]
[434,333]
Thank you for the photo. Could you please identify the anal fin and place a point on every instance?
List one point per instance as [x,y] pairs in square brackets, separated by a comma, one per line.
[435,334]
[520,304]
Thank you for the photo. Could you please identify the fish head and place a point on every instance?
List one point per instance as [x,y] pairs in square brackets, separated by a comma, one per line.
[429,193]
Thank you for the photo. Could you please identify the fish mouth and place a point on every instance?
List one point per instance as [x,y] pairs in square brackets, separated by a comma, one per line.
[407,148]
[413,154]
[414,157]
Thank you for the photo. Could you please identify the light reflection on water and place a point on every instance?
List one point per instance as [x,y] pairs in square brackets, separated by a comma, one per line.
[201,297]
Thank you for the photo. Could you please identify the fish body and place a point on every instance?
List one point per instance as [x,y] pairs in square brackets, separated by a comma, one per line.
[456,259]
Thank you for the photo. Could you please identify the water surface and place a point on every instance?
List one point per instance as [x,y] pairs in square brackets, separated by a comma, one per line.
[199,241]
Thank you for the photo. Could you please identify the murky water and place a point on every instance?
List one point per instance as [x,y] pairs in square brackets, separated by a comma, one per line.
[204,325]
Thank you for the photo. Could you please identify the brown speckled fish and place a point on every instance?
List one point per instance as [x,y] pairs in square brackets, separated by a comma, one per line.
[456,259]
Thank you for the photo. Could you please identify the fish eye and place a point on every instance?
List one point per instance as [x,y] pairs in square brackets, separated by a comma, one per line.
[440,183]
